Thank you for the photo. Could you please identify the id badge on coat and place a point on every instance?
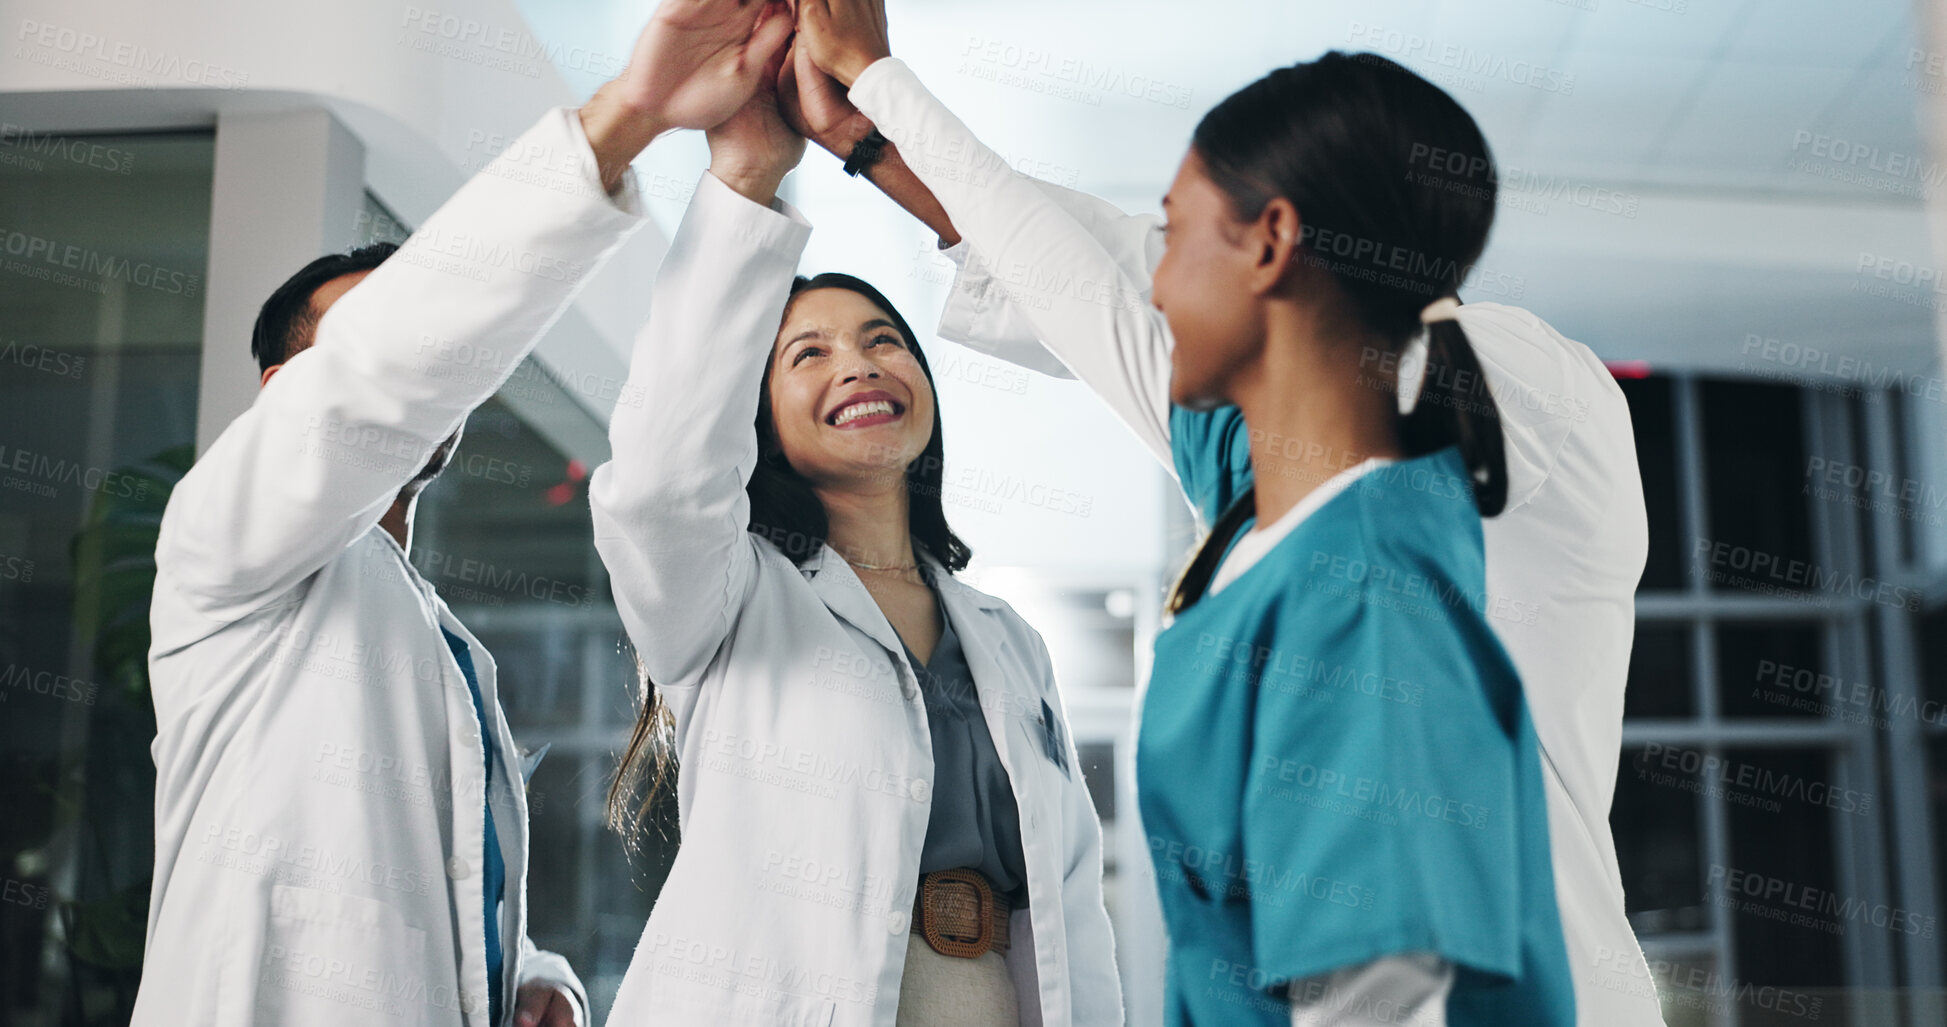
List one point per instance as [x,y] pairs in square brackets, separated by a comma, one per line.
[1054,744]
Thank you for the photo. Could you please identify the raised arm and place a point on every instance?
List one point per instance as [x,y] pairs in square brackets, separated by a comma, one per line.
[670,509]
[397,364]
[1081,301]
[402,358]
[815,105]
[979,316]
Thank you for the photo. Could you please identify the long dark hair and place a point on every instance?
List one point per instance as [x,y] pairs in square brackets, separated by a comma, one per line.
[1395,189]
[647,762]
[785,510]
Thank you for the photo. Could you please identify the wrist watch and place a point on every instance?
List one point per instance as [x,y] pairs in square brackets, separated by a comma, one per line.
[865,152]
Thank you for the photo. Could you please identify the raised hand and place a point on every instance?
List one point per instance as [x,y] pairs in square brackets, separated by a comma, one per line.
[843,37]
[814,104]
[755,148]
[695,65]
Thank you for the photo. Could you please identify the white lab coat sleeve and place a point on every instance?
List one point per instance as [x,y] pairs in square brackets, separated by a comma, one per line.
[1094,984]
[398,363]
[1036,257]
[977,314]
[1543,386]
[539,966]
[669,507]
[1392,991]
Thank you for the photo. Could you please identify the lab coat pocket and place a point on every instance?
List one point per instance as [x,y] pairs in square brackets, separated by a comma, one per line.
[335,959]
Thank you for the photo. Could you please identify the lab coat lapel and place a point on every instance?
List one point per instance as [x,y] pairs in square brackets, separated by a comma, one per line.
[510,814]
[845,595]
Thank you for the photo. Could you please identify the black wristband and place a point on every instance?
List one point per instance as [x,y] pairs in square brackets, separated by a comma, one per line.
[865,152]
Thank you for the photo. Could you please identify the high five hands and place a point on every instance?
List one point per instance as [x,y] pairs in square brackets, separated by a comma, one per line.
[802,96]
[737,70]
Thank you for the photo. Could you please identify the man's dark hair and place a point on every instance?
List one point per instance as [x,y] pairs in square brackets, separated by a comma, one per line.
[285,324]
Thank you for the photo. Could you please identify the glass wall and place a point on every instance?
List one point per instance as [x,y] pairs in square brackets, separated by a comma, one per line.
[103,249]
[1757,814]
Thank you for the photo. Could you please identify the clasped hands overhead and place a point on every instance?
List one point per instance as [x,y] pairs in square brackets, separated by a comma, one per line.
[758,78]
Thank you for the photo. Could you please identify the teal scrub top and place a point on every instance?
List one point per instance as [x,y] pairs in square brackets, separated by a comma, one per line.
[1336,762]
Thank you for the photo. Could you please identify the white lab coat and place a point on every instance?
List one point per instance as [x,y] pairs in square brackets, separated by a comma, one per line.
[806,770]
[1057,268]
[319,781]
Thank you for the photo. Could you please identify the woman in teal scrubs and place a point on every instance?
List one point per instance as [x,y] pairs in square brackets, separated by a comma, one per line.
[1336,768]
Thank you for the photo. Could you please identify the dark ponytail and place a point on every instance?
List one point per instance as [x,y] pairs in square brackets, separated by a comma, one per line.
[1454,408]
[1395,189]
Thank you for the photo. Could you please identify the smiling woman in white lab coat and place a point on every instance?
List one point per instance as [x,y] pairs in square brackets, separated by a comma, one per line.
[869,749]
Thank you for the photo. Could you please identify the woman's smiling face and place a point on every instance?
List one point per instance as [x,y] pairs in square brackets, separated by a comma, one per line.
[850,402]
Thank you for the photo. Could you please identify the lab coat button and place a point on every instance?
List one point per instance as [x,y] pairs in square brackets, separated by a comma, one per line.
[456,868]
[896,923]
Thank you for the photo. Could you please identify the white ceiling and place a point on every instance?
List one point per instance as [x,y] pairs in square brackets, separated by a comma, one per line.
[1670,102]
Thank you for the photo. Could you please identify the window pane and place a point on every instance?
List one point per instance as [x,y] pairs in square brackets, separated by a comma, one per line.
[1788,911]
[1920,502]
[1937,789]
[558,848]
[504,536]
[1652,409]
[589,895]
[101,326]
[1757,528]
[1931,631]
[1660,674]
[1654,819]
[1776,670]
[1684,986]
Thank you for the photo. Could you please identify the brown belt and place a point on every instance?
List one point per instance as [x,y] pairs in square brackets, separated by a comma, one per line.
[959,914]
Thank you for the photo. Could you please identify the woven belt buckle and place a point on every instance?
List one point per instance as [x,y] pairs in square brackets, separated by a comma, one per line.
[954,900]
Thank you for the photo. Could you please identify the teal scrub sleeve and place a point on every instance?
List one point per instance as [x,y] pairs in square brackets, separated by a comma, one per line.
[1212,451]
[1383,767]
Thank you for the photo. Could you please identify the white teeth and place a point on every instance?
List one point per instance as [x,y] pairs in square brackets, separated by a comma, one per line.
[858,410]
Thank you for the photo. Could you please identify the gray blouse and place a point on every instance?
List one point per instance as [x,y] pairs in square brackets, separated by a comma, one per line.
[974,822]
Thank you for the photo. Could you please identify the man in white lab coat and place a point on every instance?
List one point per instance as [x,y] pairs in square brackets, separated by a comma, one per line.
[340,834]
